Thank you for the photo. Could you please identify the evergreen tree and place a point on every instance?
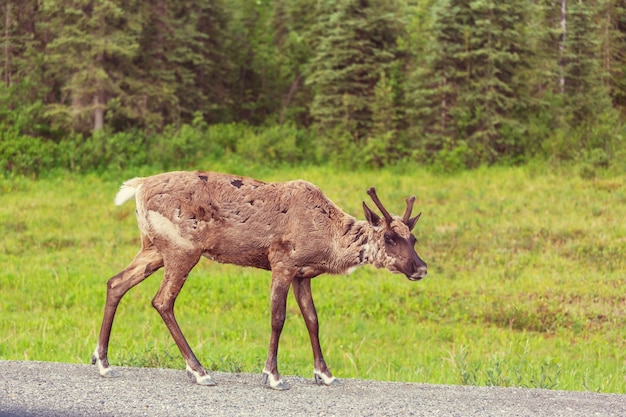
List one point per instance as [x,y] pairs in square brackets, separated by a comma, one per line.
[615,52]
[23,76]
[616,49]
[290,22]
[181,67]
[497,53]
[438,75]
[585,93]
[89,39]
[263,68]
[213,75]
[469,92]
[354,43]
[20,40]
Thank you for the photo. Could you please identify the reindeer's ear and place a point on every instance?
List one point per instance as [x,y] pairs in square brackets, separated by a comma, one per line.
[412,222]
[372,218]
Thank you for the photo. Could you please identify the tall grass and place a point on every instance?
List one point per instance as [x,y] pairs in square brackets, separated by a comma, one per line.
[525,287]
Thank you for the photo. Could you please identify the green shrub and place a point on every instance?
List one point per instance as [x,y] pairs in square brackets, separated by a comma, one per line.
[338,148]
[101,152]
[277,144]
[453,160]
[225,136]
[176,147]
[25,155]
[594,146]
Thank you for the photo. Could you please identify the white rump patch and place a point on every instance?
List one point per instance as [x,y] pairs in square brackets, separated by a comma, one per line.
[161,225]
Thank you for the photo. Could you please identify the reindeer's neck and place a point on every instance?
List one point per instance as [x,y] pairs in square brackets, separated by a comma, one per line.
[358,247]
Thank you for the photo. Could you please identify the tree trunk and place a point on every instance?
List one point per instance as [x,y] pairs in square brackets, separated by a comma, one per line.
[7,55]
[562,46]
[98,111]
[98,99]
[607,48]
[443,108]
[287,99]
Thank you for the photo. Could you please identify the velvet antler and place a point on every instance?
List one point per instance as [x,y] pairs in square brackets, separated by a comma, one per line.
[372,193]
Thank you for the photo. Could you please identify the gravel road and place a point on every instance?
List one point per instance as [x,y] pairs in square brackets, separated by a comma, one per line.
[70,390]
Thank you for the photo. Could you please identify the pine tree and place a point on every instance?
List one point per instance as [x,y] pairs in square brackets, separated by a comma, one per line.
[181,67]
[497,50]
[438,75]
[585,93]
[354,43]
[468,93]
[268,51]
[290,23]
[89,39]
[23,75]
[612,28]
[615,55]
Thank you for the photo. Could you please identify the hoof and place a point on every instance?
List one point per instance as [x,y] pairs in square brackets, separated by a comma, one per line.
[105,371]
[109,373]
[322,379]
[205,379]
[277,384]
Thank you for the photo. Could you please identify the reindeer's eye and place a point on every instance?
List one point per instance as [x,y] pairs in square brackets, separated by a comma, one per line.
[389,240]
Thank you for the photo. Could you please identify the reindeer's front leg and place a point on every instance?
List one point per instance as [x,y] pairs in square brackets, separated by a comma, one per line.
[281,280]
[302,291]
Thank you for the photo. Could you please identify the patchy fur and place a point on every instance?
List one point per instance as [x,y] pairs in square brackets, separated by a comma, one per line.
[290,228]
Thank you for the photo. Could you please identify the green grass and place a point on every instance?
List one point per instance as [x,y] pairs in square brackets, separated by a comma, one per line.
[526,283]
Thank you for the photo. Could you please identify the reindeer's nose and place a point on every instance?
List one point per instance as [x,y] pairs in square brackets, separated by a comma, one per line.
[419,273]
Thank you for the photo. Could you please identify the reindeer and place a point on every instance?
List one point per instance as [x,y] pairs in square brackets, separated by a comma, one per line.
[290,228]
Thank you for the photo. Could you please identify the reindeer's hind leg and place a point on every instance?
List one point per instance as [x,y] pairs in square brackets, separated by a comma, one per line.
[302,292]
[178,264]
[147,261]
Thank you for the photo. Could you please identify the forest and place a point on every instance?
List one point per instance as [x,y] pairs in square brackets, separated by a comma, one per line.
[454,84]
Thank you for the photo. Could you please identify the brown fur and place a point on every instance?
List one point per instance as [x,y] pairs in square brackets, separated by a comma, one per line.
[290,228]
[246,222]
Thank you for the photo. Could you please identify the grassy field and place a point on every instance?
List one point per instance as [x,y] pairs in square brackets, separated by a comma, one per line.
[526,284]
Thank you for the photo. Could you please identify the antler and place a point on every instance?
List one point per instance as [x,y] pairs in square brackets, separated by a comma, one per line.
[372,193]
[409,209]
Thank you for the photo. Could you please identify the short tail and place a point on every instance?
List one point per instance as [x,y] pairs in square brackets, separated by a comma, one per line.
[127,191]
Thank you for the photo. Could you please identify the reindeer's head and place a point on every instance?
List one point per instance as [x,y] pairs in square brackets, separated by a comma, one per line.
[396,240]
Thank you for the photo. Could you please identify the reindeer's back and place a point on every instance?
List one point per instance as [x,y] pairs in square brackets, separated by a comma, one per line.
[232,219]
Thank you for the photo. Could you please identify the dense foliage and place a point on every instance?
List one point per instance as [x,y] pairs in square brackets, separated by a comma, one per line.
[455,83]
